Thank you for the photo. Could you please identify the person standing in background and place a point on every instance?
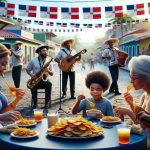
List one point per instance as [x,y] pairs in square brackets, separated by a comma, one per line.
[83,64]
[111,56]
[17,62]
[92,62]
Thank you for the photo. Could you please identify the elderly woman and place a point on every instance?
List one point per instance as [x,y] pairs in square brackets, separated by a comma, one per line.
[140,78]
[6,113]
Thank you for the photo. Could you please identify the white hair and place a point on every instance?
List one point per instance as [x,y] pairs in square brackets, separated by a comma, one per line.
[140,65]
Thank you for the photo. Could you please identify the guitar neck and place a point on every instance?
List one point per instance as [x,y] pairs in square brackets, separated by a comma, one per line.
[73,57]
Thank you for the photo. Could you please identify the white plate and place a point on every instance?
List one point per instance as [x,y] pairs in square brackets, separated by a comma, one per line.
[74,138]
[118,121]
[27,125]
[24,137]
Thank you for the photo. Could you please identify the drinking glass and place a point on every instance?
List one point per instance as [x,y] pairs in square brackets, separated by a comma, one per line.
[38,113]
[52,117]
[124,133]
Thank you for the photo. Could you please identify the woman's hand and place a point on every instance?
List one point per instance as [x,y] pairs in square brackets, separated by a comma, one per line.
[121,111]
[19,93]
[10,116]
[128,97]
[80,97]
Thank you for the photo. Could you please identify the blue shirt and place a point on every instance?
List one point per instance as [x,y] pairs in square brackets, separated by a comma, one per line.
[103,105]
[3,102]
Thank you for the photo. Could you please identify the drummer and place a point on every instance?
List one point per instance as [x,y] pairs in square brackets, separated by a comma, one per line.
[111,56]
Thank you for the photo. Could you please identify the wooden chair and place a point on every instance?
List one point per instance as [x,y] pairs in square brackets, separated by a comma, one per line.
[41,98]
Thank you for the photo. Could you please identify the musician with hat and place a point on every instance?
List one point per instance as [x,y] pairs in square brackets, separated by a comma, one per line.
[111,56]
[62,54]
[33,67]
[17,62]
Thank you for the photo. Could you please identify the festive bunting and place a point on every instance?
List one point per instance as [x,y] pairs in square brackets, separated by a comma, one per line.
[61,24]
[27,11]
[92,13]
[41,23]
[36,22]
[75,25]
[19,20]
[116,24]
[108,25]
[70,13]
[49,12]
[50,23]
[149,8]
[116,11]
[137,9]
[27,21]
[98,25]
[7,8]
[145,20]
[87,25]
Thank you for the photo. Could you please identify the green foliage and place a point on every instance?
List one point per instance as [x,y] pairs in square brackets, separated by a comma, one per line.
[122,20]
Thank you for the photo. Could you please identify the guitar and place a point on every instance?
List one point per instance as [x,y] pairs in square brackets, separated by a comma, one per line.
[69,60]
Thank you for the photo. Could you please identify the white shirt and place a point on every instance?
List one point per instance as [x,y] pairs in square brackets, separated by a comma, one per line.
[108,52]
[61,55]
[17,61]
[146,102]
[34,65]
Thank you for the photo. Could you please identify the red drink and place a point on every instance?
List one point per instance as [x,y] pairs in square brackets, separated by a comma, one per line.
[38,113]
[124,135]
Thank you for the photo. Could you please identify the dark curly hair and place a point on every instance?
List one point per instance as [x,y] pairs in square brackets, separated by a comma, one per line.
[98,77]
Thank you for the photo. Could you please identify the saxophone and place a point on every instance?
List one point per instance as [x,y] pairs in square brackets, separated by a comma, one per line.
[31,83]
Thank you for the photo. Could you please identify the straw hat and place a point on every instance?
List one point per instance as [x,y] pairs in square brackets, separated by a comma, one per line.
[41,47]
[115,40]
[18,42]
[71,41]
[3,51]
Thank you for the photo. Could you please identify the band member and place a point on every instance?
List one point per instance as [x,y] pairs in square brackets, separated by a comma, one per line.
[17,62]
[33,67]
[110,54]
[64,52]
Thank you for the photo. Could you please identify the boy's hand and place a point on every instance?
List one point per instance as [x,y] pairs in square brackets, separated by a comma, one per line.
[99,115]
[80,97]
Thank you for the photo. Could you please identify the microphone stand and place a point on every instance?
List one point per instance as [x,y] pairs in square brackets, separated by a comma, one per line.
[60,108]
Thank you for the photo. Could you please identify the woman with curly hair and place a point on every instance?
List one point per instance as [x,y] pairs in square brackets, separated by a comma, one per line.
[97,82]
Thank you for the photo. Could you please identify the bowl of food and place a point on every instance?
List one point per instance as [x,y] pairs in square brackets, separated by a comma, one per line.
[94,113]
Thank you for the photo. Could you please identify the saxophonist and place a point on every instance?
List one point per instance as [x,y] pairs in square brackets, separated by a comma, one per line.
[33,67]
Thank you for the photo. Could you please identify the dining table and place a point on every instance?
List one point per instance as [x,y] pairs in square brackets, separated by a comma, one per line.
[107,141]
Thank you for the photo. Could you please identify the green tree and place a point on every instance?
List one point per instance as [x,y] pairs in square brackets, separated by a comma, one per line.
[122,20]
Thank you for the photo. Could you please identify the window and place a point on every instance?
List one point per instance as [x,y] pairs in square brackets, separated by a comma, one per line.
[133,50]
[137,50]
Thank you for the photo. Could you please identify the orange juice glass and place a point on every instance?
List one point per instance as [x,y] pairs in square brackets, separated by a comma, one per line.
[38,113]
[124,134]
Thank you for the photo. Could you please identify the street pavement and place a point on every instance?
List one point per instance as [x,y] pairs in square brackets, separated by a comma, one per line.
[24,105]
